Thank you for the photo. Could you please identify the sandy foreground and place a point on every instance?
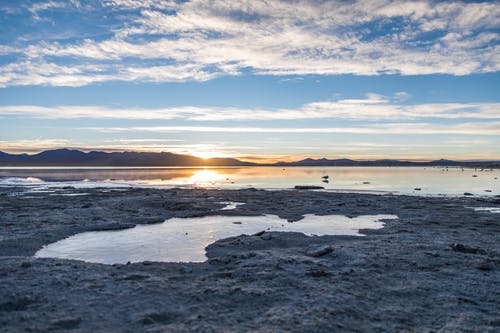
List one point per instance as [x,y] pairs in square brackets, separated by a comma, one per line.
[435,269]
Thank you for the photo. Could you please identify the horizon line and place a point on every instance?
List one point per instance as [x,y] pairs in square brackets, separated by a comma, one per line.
[254,159]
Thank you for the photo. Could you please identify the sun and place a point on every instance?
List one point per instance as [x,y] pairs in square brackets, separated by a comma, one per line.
[208,154]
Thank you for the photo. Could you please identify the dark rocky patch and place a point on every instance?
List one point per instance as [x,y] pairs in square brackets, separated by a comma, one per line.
[466,249]
[308,187]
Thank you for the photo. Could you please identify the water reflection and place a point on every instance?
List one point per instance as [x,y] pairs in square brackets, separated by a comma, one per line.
[185,239]
[204,177]
[410,180]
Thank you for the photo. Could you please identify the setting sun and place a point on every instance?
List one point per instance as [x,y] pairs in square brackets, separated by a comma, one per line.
[208,154]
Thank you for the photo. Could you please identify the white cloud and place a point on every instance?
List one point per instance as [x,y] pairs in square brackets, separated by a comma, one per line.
[470,128]
[135,4]
[42,6]
[373,108]
[33,145]
[45,73]
[208,39]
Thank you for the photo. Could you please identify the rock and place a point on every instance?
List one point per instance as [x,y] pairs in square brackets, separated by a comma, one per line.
[17,303]
[318,273]
[135,277]
[66,323]
[260,233]
[319,251]
[26,264]
[153,317]
[267,236]
[247,255]
[485,266]
[186,269]
[457,247]
[146,320]
[308,187]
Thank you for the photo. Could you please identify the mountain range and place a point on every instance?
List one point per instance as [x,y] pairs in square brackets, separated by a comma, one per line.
[71,157]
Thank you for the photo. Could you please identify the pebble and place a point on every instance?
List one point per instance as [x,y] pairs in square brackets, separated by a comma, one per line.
[26,264]
[319,251]
[457,247]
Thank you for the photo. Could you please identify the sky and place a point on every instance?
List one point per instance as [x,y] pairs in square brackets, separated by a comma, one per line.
[257,80]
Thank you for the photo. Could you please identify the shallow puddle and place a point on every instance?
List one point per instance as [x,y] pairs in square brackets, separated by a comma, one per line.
[230,205]
[70,194]
[487,209]
[185,239]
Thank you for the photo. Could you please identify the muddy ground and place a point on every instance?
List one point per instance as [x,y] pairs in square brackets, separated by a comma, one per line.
[435,269]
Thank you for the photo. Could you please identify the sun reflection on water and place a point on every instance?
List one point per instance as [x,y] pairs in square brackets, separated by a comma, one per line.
[205,177]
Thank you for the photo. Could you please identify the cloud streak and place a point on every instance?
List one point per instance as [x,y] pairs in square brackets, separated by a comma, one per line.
[168,41]
[468,128]
[372,108]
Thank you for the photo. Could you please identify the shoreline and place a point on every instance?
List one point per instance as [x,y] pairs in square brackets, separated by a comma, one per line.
[254,282]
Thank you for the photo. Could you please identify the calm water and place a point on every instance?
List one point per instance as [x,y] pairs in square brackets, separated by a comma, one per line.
[405,180]
[185,239]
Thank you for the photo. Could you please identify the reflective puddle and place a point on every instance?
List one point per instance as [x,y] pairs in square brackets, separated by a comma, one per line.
[230,205]
[487,209]
[185,239]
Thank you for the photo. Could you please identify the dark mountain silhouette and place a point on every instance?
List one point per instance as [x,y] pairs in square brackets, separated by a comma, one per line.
[71,157]
[388,162]
[66,157]
[320,162]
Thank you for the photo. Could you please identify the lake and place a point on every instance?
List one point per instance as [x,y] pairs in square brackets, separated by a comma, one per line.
[398,180]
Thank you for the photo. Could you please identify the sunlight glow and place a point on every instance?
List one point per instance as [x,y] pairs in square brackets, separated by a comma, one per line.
[207,154]
[205,176]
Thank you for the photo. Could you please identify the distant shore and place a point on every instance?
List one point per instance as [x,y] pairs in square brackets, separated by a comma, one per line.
[73,157]
[436,268]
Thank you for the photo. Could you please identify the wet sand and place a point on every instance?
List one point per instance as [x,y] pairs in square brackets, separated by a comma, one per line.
[435,269]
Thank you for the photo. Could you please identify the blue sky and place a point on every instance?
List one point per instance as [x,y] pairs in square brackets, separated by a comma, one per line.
[258,80]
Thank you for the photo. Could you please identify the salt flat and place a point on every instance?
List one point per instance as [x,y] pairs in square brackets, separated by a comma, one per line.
[435,268]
